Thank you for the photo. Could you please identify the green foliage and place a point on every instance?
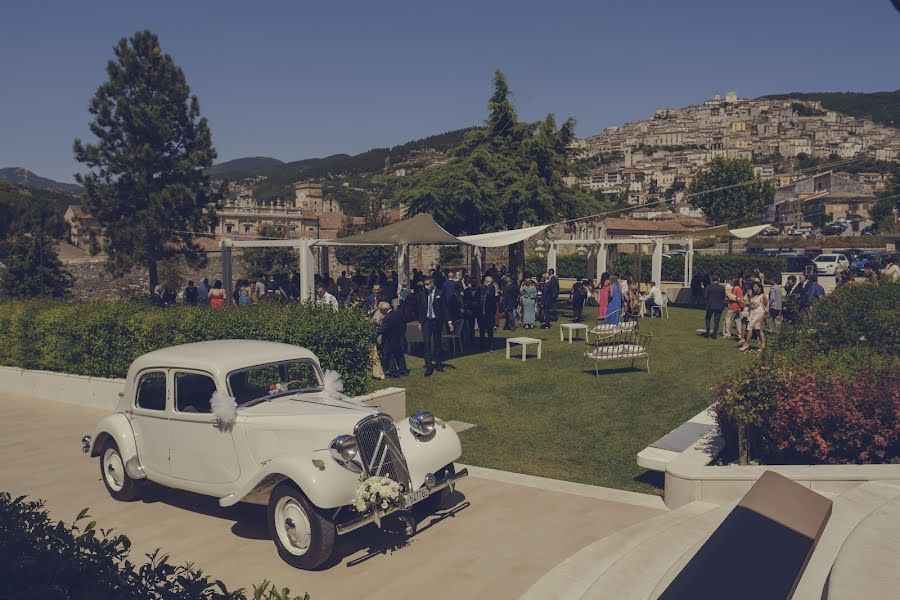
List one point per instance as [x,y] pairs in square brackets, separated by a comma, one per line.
[728,192]
[451,256]
[881,107]
[270,262]
[365,257]
[805,110]
[40,558]
[147,184]
[502,176]
[888,201]
[32,268]
[101,339]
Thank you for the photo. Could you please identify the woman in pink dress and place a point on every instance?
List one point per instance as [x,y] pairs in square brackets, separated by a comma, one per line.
[603,296]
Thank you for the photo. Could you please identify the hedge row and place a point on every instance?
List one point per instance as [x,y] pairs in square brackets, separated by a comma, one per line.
[41,558]
[725,265]
[101,339]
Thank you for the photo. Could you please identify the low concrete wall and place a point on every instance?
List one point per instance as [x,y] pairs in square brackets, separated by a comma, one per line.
[97,392]
[102,393]
[690,477]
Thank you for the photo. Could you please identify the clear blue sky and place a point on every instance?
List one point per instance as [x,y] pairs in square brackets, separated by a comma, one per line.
[295,79]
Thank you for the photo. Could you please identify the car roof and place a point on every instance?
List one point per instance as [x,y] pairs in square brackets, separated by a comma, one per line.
[220,356]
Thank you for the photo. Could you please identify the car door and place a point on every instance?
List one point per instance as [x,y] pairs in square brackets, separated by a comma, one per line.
[149,418]
[201,450]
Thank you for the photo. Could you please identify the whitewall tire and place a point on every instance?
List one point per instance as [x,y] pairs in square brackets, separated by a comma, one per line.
[304,538]
[112,470]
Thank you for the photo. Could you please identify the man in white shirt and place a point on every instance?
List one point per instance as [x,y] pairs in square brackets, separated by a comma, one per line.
[323,297]
[654,297]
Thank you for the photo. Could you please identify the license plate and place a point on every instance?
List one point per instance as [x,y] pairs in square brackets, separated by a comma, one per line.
[416,496]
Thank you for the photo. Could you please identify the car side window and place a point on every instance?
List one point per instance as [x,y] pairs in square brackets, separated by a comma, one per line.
[151,393]
[193,392]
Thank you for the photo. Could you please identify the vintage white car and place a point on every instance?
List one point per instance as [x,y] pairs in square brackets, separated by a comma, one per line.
[293,442]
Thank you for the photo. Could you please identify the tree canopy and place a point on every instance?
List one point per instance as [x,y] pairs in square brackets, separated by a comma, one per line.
[729,193]
[147,185]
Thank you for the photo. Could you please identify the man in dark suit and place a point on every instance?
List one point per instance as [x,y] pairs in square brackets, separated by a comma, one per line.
[393,333]
[432,317]
[156,297]
[551,293]
[714,294]
[510,300]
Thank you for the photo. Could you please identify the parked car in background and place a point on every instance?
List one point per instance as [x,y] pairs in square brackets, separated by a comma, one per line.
[859,262]
[259,422]
[868,230]
[831,263]
[770,231]
[835,228]
[803,232]
[797,262]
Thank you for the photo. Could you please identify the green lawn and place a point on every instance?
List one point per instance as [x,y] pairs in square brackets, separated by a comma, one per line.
[550,418]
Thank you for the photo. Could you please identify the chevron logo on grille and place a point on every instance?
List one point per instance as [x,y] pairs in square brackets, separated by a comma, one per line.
[385,451]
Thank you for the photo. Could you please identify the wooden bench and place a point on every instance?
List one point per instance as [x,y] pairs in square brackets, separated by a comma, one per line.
[761,548]
[623,344]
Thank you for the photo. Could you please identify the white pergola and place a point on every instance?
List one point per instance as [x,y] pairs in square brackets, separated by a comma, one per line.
[303,247]
[600,252]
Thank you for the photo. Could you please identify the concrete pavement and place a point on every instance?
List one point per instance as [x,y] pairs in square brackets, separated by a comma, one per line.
[502,534]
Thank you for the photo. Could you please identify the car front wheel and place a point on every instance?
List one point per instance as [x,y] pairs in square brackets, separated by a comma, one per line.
[304,538]
[112,469]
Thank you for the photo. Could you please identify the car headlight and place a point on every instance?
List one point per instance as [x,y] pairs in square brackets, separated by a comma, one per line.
[422,423]
[344,447]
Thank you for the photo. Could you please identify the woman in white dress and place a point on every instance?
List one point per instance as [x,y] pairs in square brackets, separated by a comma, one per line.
[757,304]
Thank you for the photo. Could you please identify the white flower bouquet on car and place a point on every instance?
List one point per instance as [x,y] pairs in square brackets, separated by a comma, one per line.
[378,493]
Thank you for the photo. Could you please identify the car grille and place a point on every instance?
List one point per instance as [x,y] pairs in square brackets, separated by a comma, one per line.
[379,449]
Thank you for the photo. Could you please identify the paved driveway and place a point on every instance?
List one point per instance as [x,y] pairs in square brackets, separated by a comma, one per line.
[503,533]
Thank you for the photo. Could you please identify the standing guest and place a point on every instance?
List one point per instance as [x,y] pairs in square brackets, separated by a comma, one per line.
[529,303]
[260,288]
[603,296]
[633,299]
[236,293]
[343,286]
[393,287]
[551,295]
[802,292]
[614,307]
[509,300]
[696,289]
[191,293]
[156,298]
[372,300]
[756,302]
[244,297]
[791,306]
[169,296]
[776,300]
[432,317]
[392,330]
[714,295]
[203,292]
[733,318]
[487,306]
[815,291]
[217,295]
[623,286]
[325,298]
[579,295]
[471,307]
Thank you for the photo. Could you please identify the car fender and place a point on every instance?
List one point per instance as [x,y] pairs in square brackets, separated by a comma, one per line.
[325,482]
[119,429]
[427,455]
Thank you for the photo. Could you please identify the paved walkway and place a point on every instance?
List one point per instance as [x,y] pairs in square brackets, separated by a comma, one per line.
[503,534]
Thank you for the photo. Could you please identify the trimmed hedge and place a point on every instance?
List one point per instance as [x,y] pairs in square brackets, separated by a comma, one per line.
[40,558]
[101,339]
[725,265]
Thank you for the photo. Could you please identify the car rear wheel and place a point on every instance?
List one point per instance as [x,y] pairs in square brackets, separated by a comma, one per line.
[304,538]
[112,470]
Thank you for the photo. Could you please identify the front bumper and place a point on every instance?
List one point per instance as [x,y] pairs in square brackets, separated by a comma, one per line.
[376,515]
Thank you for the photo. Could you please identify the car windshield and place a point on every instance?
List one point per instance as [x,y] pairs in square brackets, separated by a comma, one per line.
[826,258]
[264,382]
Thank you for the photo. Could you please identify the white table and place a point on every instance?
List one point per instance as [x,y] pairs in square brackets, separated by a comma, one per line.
[523,341]
[573,327]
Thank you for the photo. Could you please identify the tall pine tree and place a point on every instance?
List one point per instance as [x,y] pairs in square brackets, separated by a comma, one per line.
[147,186]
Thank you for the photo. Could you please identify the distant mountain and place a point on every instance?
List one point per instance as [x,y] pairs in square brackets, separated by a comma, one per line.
[881,107]
[241,168]
[24,178]
[280,176]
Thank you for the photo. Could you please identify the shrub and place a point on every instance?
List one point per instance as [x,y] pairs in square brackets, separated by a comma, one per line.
[101,339]
[826,390]
[43,559]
